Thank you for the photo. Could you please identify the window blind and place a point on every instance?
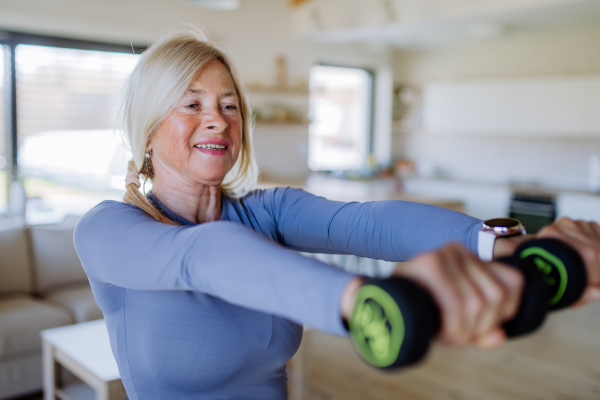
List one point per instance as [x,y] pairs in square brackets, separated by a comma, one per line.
[67,89]
[69,157]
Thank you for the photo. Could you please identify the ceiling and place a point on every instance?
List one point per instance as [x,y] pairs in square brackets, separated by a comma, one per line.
[483,25]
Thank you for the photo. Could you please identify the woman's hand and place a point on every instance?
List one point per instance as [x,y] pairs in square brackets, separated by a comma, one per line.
[505,247]
[474,297]
[583,236]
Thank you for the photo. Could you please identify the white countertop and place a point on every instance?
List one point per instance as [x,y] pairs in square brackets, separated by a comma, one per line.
[480,199]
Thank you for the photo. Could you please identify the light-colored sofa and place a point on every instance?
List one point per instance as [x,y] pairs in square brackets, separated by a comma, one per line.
[42,285]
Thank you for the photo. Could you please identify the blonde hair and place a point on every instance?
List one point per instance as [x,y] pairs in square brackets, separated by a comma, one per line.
[164,72]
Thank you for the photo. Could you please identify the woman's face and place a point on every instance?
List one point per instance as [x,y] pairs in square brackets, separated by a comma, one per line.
[199,141]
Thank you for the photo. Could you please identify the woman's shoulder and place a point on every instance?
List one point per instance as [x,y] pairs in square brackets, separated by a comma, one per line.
[274,192]
[108,206]
[107,213]
[271,196]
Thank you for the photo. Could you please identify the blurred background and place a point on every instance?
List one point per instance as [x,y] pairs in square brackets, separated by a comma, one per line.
[494,104]
[487,107]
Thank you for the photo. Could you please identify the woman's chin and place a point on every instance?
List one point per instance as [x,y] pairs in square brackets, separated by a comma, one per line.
[211,172]
[209,179]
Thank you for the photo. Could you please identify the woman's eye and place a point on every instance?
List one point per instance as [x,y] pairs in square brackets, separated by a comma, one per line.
[230,107]
[192,106]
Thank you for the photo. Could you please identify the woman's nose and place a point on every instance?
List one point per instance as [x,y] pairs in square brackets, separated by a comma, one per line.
[214,121]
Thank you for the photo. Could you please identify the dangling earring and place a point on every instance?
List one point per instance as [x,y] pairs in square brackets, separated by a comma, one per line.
[148,164]
[147,169]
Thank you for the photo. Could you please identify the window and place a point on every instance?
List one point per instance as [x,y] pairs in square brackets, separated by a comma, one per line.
[3,137]
[340,111]
[69,157]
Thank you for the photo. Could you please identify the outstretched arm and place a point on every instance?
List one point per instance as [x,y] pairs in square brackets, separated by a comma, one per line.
[391,230]
[121,245]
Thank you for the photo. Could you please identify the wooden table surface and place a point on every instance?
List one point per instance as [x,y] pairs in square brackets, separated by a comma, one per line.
[559,362]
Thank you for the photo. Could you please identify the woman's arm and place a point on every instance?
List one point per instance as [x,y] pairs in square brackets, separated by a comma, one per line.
[391,230]
[121,245]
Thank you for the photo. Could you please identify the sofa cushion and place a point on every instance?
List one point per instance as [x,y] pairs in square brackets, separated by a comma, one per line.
[21,375]
[78,299]
[15,266]
[21,320]
[54,260]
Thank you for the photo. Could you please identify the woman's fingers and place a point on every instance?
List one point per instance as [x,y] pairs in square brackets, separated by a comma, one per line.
[493,292]
[491,340]
[506,246]
[469,299]
[499,287]
[514,283]
[433,272]
[583,236]
[503,286]
[474,297]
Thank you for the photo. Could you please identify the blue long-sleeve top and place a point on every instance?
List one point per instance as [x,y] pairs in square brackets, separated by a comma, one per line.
[215,310]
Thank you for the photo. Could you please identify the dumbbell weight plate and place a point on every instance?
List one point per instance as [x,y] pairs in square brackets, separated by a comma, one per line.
[561,266]
[393,322]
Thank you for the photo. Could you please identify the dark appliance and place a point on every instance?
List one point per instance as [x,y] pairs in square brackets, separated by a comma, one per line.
[534,211]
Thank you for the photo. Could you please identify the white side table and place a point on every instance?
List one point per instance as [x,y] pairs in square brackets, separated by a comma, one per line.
[84,350]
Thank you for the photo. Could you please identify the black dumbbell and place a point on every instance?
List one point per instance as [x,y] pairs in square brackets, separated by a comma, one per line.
[555,278]
[395,319]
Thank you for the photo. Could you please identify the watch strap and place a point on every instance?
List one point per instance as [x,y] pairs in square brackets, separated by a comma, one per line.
[485,245]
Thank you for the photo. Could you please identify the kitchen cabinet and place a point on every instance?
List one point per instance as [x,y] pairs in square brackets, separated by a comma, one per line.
[580,205]
[559,106]
[481,200]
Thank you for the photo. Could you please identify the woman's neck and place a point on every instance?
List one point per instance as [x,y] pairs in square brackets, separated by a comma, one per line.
[197,204]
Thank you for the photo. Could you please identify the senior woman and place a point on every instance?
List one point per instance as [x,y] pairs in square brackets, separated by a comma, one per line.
[202,294]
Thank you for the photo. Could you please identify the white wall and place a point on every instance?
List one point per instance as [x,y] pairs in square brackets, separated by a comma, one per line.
[559,162]
[256,33]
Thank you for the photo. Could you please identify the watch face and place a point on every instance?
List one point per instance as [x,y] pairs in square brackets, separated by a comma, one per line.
[503,226]
[502,222]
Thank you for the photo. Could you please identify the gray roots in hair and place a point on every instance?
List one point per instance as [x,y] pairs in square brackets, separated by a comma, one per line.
[165,71]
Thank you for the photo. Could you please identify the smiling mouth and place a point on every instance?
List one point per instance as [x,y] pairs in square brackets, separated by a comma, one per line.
[210,146]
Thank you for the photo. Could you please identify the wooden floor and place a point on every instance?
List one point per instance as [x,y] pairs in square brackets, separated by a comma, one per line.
[561,361]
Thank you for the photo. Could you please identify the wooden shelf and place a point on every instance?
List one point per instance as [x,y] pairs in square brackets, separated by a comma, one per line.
[286,124]
[276,91]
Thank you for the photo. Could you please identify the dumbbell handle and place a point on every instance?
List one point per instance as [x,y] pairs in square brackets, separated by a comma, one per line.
[395,319]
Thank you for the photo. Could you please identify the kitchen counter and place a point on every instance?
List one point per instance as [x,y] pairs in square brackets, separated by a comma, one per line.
[479,199]
[367,190]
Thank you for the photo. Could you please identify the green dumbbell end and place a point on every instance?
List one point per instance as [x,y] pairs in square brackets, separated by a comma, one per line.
[393,322]
[377,326]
